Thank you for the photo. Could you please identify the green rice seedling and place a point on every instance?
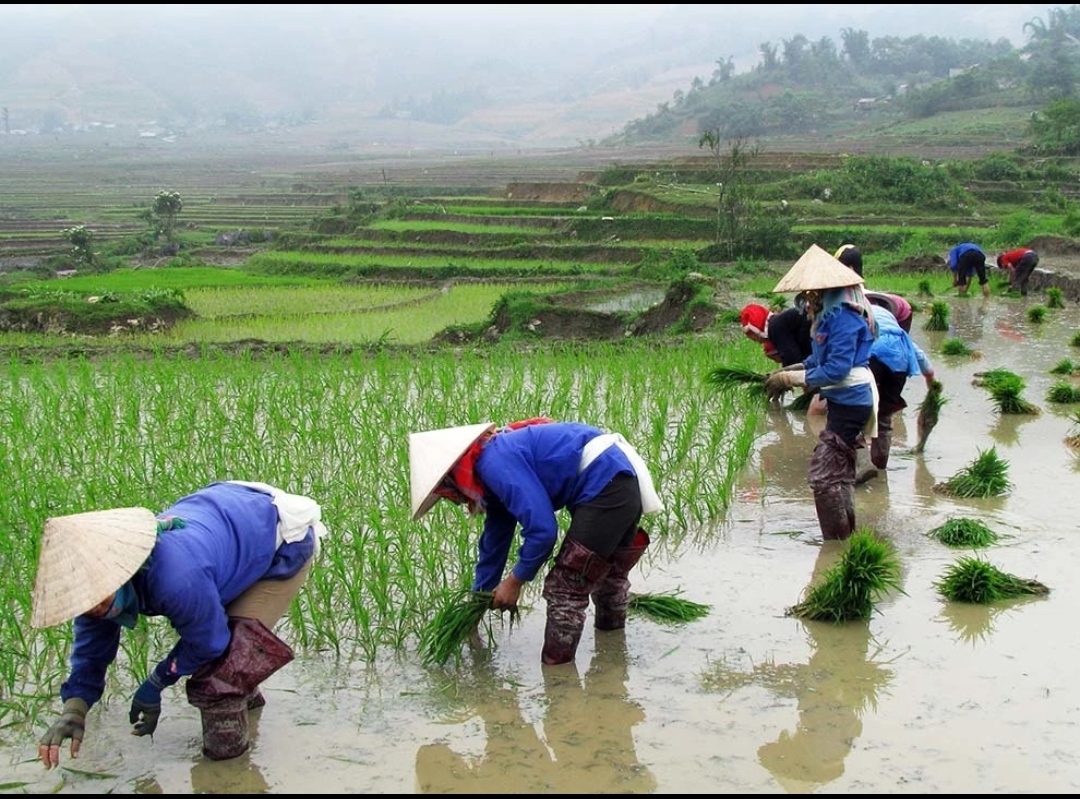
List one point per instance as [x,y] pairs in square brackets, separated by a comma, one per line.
[1037,314]
[448,630]
[975,580]
[725,378]
[668,608]
[939,316]
[1006,390]
[802,401]
[928,414]
[1075,340]
[964,532]
[1064,367]
[986,476]
[955,346]
[867,570]
[1055,298]
[924,289]
[778,302]
[1063,393]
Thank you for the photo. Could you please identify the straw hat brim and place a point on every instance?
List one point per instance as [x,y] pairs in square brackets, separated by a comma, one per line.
[87,556]
[817,270]
[431,455]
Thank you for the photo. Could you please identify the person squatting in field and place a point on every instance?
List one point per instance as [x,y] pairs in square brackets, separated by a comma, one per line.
[222,565]
[843,330]
[522,475]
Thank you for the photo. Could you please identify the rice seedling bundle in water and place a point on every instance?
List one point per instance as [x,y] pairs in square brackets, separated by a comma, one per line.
[1036,314]
[1055,298]
[974,580]
[1006,389]
[1063,393]
[955,346]
[866,571]
[986,476]
[802,401]
[939,316]
[964,532]
[928,414]
[667,607]
[447,631]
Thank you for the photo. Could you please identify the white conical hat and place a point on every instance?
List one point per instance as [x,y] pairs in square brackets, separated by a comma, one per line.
[816,270]
[87,556]
[432,454]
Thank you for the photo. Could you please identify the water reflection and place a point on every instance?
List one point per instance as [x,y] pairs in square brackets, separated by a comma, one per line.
[237,775]
[585,744]
[974,623]
[833,690]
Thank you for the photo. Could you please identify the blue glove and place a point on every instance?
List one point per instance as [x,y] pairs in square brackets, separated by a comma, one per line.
[146,706]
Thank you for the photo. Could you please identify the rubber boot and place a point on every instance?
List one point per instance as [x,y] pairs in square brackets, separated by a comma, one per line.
[832,479]
[576,573]
[864,465]
[223,689]
[612,596]
[880,446]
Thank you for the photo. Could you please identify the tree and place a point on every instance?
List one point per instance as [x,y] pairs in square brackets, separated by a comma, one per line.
[165,208]
[81,239]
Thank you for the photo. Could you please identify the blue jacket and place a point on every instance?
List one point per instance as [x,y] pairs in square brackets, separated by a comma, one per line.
[895,348]
[529,474]
[960,249]
[841,342]
[229,542]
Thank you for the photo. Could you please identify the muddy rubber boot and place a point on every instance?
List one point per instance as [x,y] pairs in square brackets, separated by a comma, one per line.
[223,689]
[864,466]
[835,515]
[880,446]
[612,596]
[255,700]
[577,571]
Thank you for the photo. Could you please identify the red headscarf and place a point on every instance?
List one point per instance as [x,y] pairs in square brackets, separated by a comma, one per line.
[465,487]
[755,319]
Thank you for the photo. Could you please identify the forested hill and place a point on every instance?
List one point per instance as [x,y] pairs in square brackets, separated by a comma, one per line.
[803,87]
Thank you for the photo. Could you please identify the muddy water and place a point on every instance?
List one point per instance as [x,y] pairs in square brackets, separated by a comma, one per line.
[926,697]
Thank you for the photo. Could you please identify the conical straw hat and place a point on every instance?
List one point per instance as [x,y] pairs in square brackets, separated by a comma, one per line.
[431,456]
[816,270]
[87,556]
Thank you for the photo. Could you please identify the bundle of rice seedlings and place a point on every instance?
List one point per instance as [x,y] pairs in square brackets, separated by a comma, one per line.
[667,607]
[1006,390]
[1075,340]
[939,316]
[802,401]
[924,289]
[1037,313]
[1064,367]
[1073,439]
[928,413]
[964,533]
[1055,298]
[974,580]
[445,633]
[986,476]
[1063,393]
[867,570]
[725,378]
[955,346]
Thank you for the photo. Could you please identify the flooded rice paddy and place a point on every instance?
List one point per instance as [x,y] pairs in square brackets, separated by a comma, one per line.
[927,697]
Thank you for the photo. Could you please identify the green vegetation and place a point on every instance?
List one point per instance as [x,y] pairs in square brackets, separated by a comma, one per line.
[939,316]
[667,608]
[1055,298]
[1063,393]
[1006,390]
[867,570]
[964,532]
[453,624]
[986,476]
[974,580]
[955,346]
[1037,314]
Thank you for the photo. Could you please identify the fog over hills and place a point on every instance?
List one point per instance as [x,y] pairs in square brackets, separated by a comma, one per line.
[533,75]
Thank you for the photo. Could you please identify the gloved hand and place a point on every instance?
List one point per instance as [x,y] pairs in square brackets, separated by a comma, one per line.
[780,382]
[146,706]
[71,724]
